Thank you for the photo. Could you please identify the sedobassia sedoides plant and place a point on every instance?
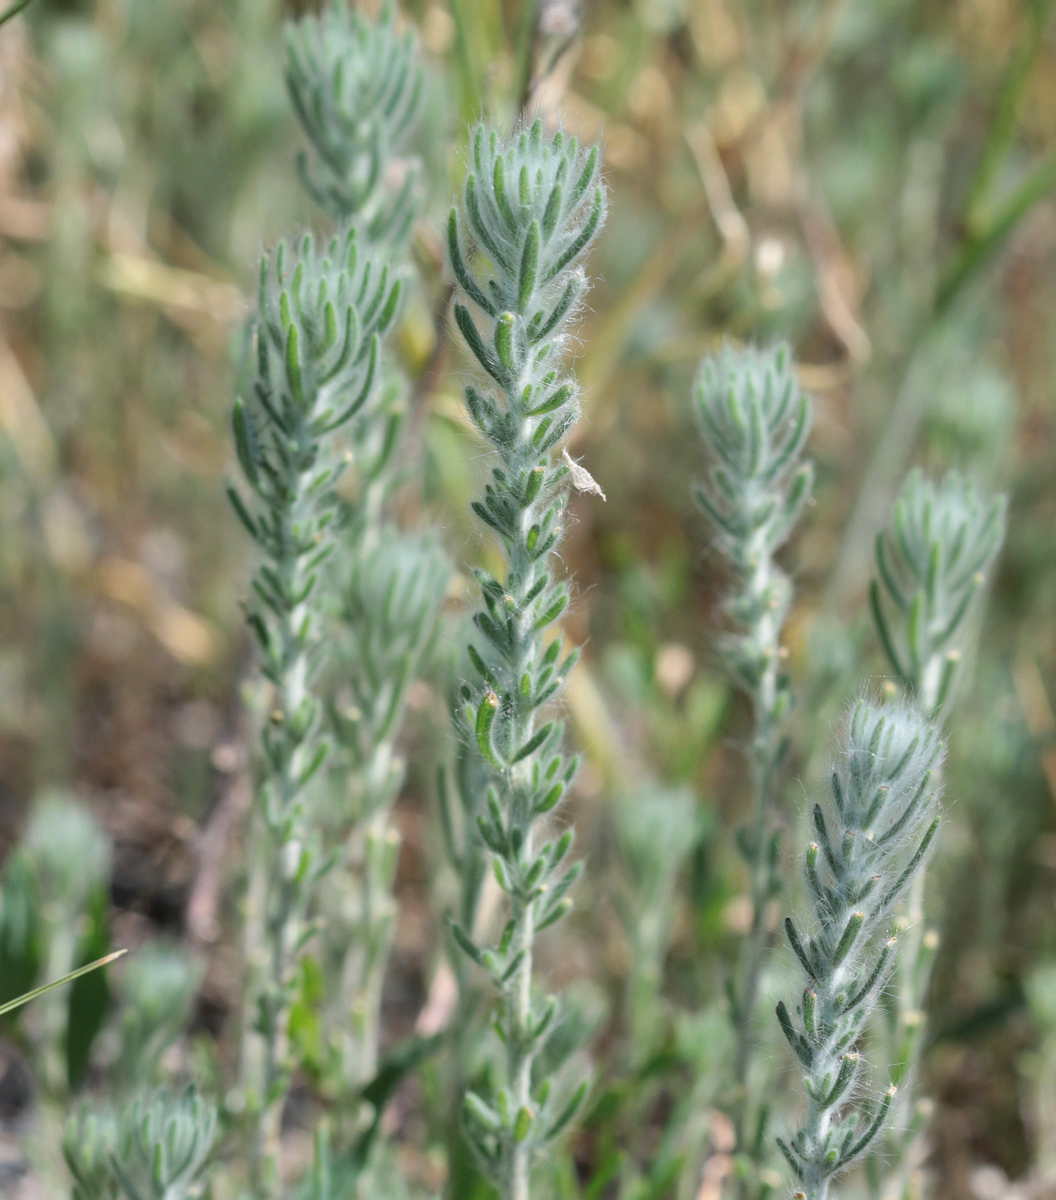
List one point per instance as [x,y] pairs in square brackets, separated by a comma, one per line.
[932,563]
[872,840]
[322,312]
[754,420]
[531,206]
[356,86]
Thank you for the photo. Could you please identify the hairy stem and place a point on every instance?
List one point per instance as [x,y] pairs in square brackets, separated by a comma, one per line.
[763,755]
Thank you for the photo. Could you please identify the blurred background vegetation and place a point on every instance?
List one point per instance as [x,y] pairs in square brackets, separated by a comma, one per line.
[873,179]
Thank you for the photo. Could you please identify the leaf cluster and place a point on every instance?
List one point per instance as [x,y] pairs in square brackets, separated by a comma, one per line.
[356,87]
[154,1148]
[487,1125]
[531,207]
[754,420]
[388,603]
[931,563]
[530,234]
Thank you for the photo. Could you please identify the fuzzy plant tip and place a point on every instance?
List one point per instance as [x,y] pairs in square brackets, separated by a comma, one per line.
[754,421]
[932,562]
[870,842]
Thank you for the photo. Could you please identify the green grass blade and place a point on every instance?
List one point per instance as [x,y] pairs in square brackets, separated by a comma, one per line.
[14,10]
[25,999]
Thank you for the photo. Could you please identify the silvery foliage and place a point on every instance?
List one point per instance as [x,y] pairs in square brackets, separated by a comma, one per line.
[754,420]
[87,1145]
[389,608]
[872,840]
[531,206]
[356,86]
[387,602]
[158,987]
[932,562]
[153,1148]
[655,831]
[323,310]
[69,855]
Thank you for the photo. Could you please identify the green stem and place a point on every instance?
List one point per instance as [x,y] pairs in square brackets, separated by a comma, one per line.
[764,750]
[979,249]
[466,71]
[14,10]
[519,1049]
[525,46]
[1003,127]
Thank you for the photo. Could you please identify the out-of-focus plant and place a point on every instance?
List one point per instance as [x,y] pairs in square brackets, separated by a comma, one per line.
[157,992]
[461,785]
[152,1148]
[754,419]
[973,419]
[872,842]
[356,86]
[14,10]
[655,831]
[459,791]
[322,313]
[531,207]
[90,1136]
[931,564]
[1041,997]
[388,611]
[67,856]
